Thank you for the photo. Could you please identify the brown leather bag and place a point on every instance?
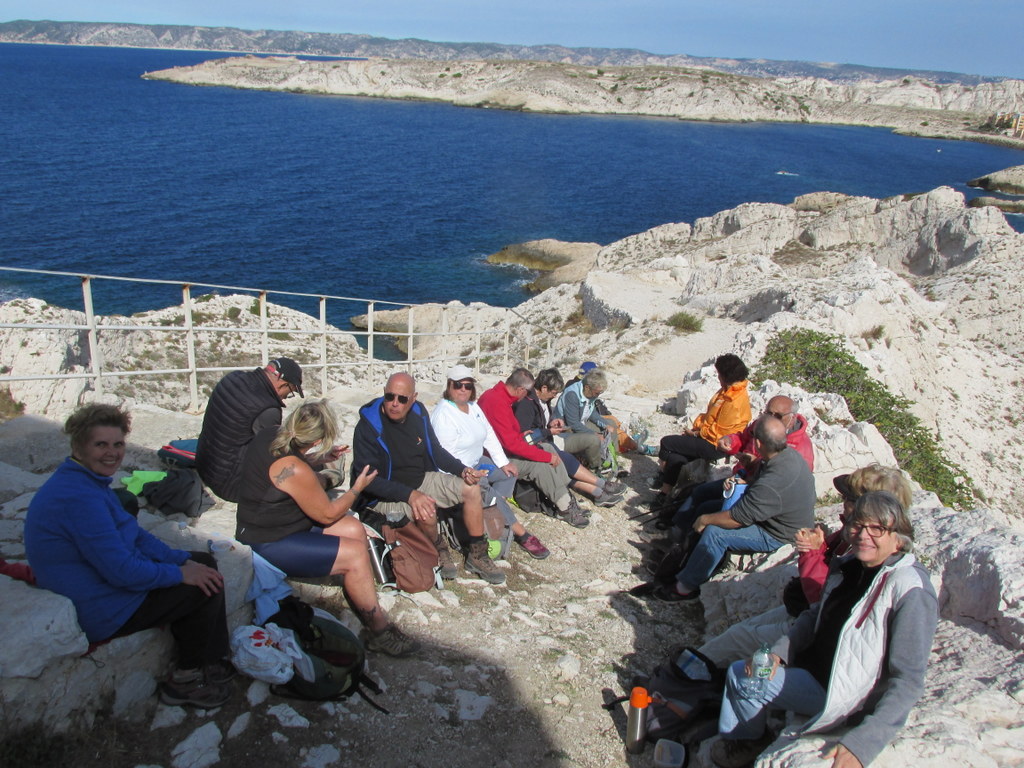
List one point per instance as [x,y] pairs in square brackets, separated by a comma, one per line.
[414,559]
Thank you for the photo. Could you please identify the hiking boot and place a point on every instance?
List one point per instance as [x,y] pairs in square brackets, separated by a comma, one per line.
[660,500]
[739,753]
[613,487]
[533,546]
[449,570]
[391,641]
[191,688]
[573,515]
[220,672]
[480,563]
[657,481]
[607,499]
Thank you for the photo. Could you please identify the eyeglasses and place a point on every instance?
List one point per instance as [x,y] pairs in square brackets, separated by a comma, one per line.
[874,530]
[462,385]
[389,396]
[777,415]
[291,387]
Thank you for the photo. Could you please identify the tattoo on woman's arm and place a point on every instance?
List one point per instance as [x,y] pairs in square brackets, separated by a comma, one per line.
[286,471]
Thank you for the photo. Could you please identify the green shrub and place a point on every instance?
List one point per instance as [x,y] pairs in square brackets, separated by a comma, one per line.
[819,362]
[9,407]
[234,312]
[685,322]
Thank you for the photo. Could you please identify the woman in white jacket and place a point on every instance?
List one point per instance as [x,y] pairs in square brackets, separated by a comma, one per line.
[466,434]
[855,658]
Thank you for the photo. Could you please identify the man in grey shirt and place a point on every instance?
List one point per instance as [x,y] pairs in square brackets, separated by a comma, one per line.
[778,503]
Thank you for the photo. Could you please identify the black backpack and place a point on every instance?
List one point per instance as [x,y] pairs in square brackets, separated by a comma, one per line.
[528,497]
[689,697]
[337,656]
[181,492]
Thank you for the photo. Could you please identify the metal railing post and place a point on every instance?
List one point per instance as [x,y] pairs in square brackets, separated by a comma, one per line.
[323,346]
[190,348]
[444,338]
[95,356]
[264,328]
[476,365]
[369,344]
[508,336]
[411,324]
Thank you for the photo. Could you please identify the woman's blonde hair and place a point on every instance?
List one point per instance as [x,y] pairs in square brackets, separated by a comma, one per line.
[312,423]
[875,477]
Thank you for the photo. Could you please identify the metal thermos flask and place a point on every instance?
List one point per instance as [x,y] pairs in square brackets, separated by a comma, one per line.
[636,722]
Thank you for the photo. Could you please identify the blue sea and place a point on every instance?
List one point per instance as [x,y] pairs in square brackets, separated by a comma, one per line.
[106,173]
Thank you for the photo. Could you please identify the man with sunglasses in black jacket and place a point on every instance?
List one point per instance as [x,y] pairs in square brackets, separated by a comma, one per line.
[416,475]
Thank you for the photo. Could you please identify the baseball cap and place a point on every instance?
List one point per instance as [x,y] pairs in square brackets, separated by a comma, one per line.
[842,484]
[290,371]
[460,372]
[587,367]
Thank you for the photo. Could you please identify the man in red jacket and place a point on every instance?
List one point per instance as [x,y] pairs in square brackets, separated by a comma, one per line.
[535,464]
[706,498]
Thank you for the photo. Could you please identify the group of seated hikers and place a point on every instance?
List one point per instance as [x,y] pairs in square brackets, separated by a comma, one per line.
[849,644]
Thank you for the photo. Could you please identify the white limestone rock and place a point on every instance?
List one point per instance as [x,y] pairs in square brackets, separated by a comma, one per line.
[46,630]
[199,750]
[471,706]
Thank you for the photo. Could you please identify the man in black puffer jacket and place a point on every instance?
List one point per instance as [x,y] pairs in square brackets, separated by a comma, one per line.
[242,403]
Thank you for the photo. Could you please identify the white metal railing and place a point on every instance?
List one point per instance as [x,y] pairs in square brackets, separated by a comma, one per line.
[515,350]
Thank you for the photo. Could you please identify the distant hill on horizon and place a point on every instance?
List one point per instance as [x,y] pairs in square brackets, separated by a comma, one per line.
[341,44]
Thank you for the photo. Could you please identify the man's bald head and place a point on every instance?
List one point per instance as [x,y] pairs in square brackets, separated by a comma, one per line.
[782,408]
[399,395]
[770,433]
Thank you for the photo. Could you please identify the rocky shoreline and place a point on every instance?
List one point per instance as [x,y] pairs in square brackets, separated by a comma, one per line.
[909,105]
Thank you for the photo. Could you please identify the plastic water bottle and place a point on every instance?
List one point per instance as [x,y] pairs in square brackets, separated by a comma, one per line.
[636,720]
[760,670]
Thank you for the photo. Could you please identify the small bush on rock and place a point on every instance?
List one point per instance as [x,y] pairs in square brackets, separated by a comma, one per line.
[685,322]
[819,362]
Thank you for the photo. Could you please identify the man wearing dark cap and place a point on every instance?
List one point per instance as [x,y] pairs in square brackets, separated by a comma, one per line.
[242,403]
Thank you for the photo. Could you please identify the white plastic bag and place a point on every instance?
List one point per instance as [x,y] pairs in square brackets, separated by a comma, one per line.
[265,653]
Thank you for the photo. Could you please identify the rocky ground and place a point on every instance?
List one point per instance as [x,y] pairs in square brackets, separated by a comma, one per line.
[512,675]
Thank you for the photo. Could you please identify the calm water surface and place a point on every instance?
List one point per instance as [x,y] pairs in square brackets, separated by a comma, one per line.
[107,173]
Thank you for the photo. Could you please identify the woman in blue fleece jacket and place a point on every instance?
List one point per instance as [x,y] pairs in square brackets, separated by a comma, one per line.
[82,544]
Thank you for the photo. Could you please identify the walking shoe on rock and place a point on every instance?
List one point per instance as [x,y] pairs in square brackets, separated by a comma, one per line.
[613,486]
[607,499]
[573,515]
[449,570]
[480,563]
[391,641]
[220,672]
[192,688]
[533,546]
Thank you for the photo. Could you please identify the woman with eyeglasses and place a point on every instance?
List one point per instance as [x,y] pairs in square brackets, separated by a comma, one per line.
[855,659]
[287,517]
[816,552]
[463,430]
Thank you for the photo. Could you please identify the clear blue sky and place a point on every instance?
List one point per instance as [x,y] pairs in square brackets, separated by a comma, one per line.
[957,35]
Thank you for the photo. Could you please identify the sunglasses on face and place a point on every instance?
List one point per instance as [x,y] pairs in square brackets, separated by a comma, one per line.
[874,530]
[389,396]
[462,385]
[776,414]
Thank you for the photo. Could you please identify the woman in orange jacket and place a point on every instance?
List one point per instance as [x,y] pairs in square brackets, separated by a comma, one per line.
[727,413]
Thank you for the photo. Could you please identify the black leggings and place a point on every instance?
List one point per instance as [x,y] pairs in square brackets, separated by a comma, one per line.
[198,622]
[677,450]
